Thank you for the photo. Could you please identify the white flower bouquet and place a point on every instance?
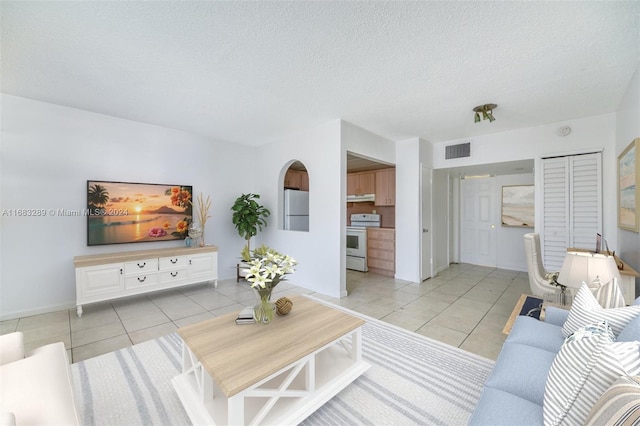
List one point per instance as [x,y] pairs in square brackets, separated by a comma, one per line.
[267,267]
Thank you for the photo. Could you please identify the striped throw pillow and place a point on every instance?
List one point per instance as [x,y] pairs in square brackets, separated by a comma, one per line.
[608,295]
[586,310]
[619,405]
[581,372]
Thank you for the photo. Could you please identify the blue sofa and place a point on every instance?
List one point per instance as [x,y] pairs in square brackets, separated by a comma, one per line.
[514,391]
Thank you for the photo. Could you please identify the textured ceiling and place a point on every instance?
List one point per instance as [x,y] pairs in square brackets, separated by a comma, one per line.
[248,72]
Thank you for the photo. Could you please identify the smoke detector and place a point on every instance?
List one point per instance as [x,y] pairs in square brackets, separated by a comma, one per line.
[564,130]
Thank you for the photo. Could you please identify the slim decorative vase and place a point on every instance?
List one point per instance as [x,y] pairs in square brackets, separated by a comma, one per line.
[264,310]
[196,233]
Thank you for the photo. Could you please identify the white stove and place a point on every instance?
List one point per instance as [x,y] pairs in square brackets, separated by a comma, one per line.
[361,220]
[357,240]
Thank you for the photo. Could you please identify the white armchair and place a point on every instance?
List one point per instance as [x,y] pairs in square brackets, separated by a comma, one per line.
[11,347]
[36,387]
[537,281]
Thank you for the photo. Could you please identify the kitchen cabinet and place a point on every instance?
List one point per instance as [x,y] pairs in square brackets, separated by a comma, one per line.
[361,183]
[304,181]
[109,276]
[385,187]
[381,251]
[296,179]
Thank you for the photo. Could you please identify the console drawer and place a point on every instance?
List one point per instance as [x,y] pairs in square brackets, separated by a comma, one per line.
[173,276]
[173,262]
[141,280]
[141,266]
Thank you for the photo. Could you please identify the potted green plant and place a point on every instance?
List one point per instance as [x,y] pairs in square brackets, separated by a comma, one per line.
[249,217]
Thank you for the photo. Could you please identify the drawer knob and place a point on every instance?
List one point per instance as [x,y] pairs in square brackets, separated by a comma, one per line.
[173,260]
[143,265]
[174,274]
[142,279]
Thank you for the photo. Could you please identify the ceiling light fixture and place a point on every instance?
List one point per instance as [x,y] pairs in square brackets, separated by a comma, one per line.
[487,113]
[475,176]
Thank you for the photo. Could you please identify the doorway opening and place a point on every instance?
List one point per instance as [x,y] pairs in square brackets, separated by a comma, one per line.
[295,187]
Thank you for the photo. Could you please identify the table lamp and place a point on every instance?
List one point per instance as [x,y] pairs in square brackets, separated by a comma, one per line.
[579,267]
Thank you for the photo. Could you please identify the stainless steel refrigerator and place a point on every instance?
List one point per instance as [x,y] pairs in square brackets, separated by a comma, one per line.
[296,210]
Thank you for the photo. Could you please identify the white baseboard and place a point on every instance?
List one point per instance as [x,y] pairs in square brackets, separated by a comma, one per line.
[5,316]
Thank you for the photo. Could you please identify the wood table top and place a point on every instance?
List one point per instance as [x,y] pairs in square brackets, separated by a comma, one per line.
[129,256]
[238,356]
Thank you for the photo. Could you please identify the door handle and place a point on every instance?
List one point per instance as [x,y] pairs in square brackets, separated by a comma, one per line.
[425,230]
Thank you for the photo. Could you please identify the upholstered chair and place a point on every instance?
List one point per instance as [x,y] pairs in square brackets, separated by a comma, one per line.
[537,274]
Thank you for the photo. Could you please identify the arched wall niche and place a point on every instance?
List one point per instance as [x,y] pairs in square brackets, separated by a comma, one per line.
[294,187]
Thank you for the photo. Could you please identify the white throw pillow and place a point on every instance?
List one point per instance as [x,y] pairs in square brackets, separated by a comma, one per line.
[582,371]
[608,294]
[586,310]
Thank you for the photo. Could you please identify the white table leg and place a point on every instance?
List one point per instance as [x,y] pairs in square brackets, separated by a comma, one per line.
[356,345]
[235,405]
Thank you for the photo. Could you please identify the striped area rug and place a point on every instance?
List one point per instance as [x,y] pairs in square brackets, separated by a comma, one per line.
[413,380]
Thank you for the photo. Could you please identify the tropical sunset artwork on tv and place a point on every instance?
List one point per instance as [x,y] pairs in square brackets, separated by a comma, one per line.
[124,212]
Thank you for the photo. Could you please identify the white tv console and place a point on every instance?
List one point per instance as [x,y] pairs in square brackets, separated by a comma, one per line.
[109,276]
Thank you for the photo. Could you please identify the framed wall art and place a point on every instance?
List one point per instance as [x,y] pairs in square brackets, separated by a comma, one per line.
[518,206]
[127,212]
[629,187]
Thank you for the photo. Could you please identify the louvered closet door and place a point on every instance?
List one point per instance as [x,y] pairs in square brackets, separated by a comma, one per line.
[555,234]
[572,205]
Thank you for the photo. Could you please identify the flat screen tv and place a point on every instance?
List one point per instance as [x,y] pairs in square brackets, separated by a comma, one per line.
[126,212]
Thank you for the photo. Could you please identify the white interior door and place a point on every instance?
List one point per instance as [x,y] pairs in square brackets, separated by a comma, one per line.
[426,270]
[478,221]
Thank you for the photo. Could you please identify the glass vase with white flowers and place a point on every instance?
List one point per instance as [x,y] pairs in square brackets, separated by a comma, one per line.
[266,269]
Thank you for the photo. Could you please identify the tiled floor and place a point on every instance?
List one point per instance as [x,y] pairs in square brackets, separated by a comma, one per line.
[465,306]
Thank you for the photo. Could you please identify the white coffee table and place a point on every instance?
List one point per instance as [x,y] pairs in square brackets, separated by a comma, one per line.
[277,373]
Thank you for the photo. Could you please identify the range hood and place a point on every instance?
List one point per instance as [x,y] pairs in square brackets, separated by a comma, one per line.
[360,198]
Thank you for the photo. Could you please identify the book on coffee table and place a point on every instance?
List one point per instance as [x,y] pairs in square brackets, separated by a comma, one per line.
[246,316]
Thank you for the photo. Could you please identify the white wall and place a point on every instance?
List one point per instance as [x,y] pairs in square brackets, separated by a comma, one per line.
[628,129]
[321,252]
[360,141]
[531,142]
[48,153]
[408,220]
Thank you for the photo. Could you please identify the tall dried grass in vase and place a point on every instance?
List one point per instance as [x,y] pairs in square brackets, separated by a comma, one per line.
[203,207]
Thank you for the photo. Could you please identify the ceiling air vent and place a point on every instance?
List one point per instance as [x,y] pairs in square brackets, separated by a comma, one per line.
[458,151]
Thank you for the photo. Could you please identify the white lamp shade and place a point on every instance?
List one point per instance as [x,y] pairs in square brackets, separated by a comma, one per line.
[579,267]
